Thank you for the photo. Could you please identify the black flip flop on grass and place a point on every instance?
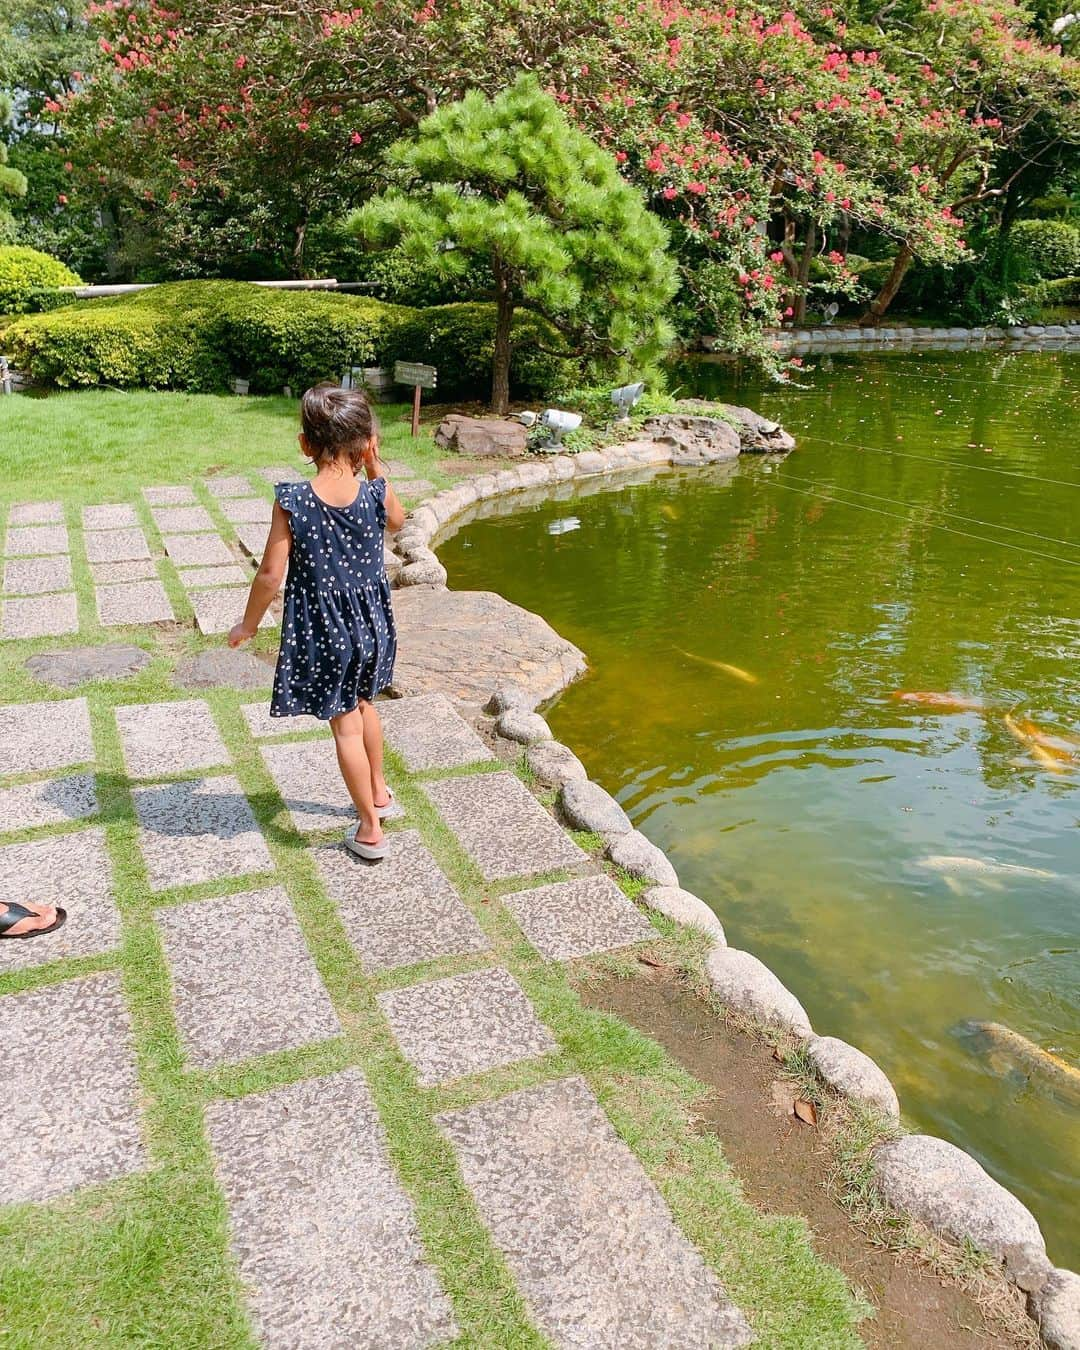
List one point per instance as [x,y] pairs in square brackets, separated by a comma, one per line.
[15,913]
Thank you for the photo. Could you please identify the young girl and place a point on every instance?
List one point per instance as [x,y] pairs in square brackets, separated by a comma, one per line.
[337,635]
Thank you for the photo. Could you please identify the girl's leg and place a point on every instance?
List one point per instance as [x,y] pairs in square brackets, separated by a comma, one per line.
[352,759]
[373,745]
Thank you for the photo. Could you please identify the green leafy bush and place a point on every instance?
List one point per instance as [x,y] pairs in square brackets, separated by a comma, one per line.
[1060,291]
[460,341]
[29,280]
[1050,247]
[196,335]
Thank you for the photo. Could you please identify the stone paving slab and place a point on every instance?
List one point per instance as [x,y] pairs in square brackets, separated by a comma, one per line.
[199,830]
[131,569]
[416,487]
[25,540]
[198,550]
[69,870]
[191,577]
[577,918]
[263,727]
[160,739]
[35,576]
[36,513]
[429,733]
[283,473]
[47,735]
[115,545]
[218,609]
[244,982]
[134,602]
[71,1110]
[240,509]
[40,616]
[115,516]
[323,1233]
[52,801]
[232,486]
[501,825]
[182,519]
[587,1235]
[309,780]
[253,537]
[178,495]
[401,910]
[467,1024]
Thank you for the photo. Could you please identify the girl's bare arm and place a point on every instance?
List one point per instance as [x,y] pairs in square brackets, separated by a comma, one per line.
[268,578]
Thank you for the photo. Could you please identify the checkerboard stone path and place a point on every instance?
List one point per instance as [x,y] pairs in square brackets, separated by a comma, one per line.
[323,1232]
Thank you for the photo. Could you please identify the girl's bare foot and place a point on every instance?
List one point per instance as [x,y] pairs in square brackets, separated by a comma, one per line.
[380,792]
[368,831]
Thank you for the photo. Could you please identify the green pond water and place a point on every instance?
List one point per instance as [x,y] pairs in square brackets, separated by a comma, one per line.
[802,800]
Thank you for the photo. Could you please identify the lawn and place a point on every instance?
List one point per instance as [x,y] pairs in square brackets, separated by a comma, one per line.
[105,445]
[144,1261]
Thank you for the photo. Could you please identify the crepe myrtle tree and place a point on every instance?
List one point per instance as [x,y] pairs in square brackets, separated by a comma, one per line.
[508,182]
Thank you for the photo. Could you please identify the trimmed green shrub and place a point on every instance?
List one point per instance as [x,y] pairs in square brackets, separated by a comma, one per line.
[29,280]
[195,335]
[1051,248]
[460,341]
[1060,291]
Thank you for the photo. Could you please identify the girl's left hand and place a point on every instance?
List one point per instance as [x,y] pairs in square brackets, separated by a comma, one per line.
[238,635]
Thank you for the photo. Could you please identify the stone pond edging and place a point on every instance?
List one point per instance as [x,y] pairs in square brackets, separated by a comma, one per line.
[1018,337]
[925,1178]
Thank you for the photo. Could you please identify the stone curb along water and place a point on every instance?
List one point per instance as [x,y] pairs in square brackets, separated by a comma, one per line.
[928,1179]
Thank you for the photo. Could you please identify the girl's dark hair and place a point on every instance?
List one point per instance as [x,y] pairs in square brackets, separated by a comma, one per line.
[337,422]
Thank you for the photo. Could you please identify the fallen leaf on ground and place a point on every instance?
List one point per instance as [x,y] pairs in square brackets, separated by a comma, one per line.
[805,1111]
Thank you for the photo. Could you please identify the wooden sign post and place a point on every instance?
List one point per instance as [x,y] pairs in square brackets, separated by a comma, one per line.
[420,377]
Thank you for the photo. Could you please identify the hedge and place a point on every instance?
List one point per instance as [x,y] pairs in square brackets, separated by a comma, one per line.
[1050,247]
[30,280]
[460,341]
[197,335]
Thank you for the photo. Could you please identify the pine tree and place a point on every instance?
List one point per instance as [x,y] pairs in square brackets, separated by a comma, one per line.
[508,182]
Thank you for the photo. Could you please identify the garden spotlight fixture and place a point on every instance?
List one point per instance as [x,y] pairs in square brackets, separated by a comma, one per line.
[625,397]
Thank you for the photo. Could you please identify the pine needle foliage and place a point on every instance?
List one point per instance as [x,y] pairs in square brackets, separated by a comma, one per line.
[509,183]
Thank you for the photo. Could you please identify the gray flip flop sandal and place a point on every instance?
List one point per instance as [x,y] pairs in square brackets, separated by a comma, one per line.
[369,852]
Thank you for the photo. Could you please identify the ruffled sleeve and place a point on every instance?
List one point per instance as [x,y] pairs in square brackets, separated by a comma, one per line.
[286,495]
[377,489]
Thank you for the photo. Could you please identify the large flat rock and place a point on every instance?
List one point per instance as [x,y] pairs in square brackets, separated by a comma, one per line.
[322,1231]
[577,918]
[587,1235]
[161,739]
[464,643]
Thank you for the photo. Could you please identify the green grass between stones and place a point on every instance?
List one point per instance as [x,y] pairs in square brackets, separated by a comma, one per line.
[145,1260]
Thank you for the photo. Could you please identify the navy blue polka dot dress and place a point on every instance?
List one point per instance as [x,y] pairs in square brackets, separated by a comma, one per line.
[338,640]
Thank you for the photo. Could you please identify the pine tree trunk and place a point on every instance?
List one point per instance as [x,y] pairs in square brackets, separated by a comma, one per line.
[887,294]
[299,240]
[504,318]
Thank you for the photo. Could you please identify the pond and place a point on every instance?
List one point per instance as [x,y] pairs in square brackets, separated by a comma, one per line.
[907,870]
